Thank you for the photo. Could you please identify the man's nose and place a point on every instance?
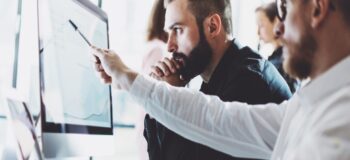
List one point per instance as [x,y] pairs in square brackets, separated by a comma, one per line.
[172,44]
[279,29]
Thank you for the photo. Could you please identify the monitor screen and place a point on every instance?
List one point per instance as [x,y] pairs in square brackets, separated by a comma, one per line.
[73,98]
[23,127]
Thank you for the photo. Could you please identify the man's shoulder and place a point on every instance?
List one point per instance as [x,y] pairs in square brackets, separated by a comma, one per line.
[245,61]
[330,117]
[339,99]
[250,61]
[246,57]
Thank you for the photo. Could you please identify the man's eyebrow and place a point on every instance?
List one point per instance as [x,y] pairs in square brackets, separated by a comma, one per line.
[173,25]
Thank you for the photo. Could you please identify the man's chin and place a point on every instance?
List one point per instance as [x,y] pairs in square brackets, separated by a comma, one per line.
[296,66]
[188,74]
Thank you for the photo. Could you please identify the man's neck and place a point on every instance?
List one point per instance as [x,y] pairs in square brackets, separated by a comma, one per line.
[218,53]
[276,44]
[334,48]
[327,60]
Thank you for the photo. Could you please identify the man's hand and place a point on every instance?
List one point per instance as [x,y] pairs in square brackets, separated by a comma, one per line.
[167,70]
[112,70]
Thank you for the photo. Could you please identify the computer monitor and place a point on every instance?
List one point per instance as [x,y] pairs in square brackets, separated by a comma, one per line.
[23,127]
[76,107]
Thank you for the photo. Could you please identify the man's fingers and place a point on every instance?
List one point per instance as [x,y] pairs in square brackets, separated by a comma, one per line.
[98,52]
[105,78]
[179,63]
[154,76]
[164,67]
[170,64]
[93,58]
[157,71]
[97,60]
[98,67]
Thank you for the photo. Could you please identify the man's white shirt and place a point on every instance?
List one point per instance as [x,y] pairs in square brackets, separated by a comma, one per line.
[313,124]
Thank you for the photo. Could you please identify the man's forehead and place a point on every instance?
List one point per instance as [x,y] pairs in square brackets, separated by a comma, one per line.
[176,12]
[167,2]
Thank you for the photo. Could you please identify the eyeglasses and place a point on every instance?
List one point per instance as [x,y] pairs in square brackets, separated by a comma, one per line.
[281,9]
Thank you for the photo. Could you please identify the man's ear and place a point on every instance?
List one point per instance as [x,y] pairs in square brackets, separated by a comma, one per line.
[213,25]
[320,9]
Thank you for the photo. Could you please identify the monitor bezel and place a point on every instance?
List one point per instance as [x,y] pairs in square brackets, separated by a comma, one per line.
[50,127]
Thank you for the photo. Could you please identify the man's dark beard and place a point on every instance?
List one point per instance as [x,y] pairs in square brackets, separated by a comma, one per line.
[298,62]
[198,60]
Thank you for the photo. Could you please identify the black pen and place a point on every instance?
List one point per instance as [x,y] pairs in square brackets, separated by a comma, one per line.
[76,29]
[86,40]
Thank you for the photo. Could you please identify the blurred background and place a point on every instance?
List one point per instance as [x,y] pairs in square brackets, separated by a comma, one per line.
[128,26]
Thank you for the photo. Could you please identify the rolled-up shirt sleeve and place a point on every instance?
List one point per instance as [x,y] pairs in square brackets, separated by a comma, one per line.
[237,129]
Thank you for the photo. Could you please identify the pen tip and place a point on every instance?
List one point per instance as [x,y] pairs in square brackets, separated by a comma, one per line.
[71,22]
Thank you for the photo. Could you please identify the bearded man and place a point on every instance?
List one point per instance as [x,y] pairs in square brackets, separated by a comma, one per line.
[199,40]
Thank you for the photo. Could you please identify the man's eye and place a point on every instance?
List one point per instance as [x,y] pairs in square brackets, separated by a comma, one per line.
[178,30]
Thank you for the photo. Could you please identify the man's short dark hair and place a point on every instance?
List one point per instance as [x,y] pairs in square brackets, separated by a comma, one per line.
[344,6]
[204,8]
[269,9]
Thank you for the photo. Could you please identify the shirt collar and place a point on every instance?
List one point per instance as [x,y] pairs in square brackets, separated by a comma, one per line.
[335,78]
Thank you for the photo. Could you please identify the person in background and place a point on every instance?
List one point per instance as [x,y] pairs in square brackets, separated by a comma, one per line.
[266,17]
[156,37]
[155,51]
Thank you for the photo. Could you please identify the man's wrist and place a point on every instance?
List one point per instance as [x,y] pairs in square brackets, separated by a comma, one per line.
[125,79]
[131,76]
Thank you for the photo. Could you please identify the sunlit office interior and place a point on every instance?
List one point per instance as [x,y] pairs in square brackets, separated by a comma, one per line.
[30,76]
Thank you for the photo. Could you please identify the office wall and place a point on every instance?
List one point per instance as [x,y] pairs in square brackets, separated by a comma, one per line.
[8,11]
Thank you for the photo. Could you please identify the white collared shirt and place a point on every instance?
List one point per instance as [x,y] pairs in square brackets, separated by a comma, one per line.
[313,124]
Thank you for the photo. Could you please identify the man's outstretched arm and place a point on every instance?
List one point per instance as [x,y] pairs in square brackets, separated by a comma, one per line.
[236,129]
